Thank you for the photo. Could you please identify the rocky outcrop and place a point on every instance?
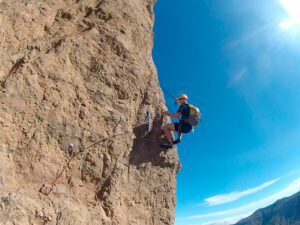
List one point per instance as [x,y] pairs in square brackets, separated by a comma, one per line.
[285,211]
[76,79]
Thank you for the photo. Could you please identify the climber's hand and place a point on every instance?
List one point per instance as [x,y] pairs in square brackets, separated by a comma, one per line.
[165,113]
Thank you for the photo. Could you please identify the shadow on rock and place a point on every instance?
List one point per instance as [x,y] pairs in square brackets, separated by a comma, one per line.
[146,148]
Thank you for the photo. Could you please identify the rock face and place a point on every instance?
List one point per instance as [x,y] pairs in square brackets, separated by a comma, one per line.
[283,212]
[76,79]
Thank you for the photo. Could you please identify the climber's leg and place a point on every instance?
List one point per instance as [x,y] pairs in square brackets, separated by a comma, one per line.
[167,130]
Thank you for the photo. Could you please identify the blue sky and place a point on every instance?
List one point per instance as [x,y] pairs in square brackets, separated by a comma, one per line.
[238,61]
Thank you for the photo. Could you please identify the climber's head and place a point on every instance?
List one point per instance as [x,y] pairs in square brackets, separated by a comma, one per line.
[183,99]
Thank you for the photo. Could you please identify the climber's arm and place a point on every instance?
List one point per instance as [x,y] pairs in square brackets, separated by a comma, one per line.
[175,115]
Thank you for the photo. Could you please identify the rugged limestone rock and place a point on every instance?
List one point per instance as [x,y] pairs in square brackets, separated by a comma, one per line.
[75,72]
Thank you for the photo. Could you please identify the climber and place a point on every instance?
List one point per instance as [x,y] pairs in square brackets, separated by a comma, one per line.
[190,116]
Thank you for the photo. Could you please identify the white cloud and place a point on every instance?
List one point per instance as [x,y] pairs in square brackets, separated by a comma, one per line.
[228,220]
[237,77]
[293,188]
[248,37]
[286,24]
[225,198]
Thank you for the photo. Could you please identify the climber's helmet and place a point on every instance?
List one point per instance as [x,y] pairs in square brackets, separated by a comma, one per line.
[183,98]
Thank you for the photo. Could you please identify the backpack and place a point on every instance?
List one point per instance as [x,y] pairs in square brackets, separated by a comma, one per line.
[194,117]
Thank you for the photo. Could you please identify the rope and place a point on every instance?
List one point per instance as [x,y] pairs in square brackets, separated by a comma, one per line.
[80,152]
[168,93]
[31,59]
[79,164]
[169,107]
[61,205]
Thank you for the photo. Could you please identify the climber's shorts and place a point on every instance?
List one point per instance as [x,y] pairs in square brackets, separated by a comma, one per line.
[183,127]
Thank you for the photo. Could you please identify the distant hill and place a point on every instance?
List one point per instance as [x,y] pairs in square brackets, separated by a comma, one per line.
[283,212]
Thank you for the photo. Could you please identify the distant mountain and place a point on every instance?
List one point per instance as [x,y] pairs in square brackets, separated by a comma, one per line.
[283,212]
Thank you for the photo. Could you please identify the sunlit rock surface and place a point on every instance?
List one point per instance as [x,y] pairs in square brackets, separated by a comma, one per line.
[76,72]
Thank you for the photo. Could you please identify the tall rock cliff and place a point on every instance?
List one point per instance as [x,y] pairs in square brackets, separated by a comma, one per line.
[76,80]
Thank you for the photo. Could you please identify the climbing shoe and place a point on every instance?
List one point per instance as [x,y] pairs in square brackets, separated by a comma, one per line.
[166,145]
[177,141]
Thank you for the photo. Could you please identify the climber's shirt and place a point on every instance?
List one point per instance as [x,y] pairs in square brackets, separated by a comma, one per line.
[182,126]
[184,109]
